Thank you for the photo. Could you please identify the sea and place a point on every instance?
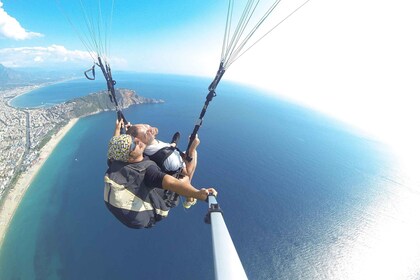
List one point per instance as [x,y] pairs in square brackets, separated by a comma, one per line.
[304,196]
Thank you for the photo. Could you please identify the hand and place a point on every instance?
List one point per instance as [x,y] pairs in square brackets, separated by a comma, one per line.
[195,142]
[118,125]
[204,193]
[212,191]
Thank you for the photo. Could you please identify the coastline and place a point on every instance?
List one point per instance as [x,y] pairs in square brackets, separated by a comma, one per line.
[27,89]
[14,196]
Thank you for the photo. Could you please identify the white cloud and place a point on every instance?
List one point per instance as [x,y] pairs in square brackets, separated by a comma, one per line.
[38,59]
[11,28]
[53,55]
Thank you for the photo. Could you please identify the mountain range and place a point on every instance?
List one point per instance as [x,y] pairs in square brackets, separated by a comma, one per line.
[10,77]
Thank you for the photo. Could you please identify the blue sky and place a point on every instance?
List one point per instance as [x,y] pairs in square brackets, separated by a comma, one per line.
[358,61]
[142,31]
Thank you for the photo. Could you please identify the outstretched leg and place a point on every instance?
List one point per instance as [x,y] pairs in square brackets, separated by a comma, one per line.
[190,168]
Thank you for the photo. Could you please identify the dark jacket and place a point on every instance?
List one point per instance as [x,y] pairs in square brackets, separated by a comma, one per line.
[128,197]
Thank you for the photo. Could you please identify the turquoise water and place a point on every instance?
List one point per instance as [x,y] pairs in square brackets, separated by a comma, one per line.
[56,93]
[297,190]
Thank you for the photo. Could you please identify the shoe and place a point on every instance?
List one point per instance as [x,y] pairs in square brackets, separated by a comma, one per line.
[175,138]
[188,204]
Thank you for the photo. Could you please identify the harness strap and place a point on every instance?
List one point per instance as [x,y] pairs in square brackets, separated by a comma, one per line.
[91,70]
[161,155]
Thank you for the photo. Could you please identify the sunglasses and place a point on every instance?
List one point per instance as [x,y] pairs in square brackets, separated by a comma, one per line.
[133,144]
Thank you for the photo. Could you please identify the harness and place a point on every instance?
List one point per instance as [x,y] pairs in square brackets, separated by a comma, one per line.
[161,155]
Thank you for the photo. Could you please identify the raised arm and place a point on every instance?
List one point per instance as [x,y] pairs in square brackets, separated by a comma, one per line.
[118,125]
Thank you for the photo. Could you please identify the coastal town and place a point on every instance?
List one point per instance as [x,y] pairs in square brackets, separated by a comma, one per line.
[21,132]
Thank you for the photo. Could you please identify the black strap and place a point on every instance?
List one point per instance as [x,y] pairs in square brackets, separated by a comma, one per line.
[110,82]
[212,93]
[92,70]
[106,71]
[161,155]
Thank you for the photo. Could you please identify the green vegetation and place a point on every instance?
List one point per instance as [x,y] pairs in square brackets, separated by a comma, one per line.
[48,136]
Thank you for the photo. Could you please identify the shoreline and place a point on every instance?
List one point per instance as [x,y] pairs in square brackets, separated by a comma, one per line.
[14,196]
[35,87]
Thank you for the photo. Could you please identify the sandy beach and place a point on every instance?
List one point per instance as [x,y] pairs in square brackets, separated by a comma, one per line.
[15,195]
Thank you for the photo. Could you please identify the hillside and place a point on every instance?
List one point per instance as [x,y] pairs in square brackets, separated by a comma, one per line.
[9,76]
[98,102]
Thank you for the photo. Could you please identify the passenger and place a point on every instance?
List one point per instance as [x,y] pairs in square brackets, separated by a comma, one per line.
[166,155]
[136,191]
